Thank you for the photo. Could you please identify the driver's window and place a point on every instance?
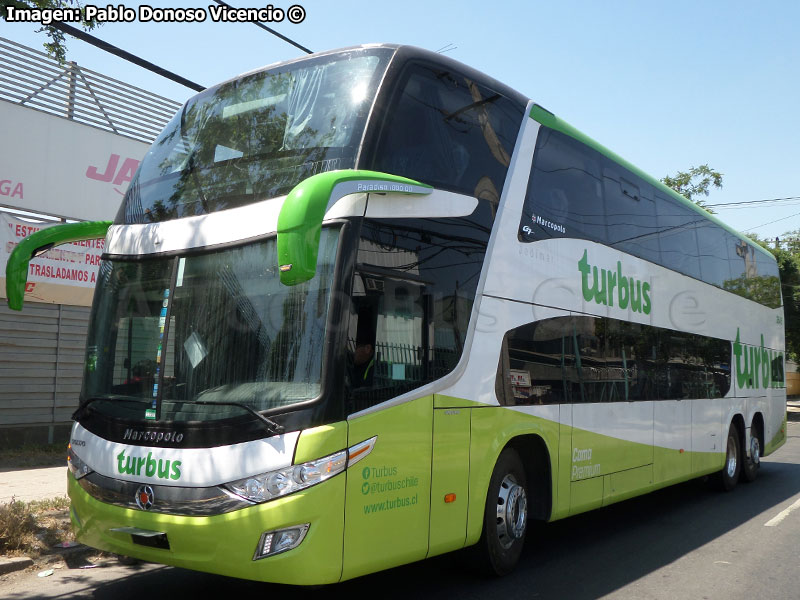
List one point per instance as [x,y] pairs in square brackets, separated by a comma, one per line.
[387,348]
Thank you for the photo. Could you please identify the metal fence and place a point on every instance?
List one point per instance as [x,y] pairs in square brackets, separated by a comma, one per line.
[35,80]
[41,362]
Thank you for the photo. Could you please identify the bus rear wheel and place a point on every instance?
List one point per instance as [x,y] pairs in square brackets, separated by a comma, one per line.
[506,515]
[752,463]
[728,477]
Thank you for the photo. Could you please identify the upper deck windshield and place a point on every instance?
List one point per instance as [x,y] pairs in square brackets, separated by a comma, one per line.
[212,328]
[256,137]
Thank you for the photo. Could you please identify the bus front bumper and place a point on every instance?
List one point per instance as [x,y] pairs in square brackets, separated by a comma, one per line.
[225,544]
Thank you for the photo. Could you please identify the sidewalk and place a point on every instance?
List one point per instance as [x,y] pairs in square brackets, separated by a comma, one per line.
[33,484]
[793,409]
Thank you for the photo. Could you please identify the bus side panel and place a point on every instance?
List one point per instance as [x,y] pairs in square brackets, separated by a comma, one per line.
[672,441]
[561,471]
[774,419]
[709,434]
[449,480]
[492,429]
[775,425]
[388,492]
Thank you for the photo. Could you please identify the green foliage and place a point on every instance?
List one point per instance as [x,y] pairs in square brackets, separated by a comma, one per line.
[789,269]
[697,181]
[56,47]
[791,240]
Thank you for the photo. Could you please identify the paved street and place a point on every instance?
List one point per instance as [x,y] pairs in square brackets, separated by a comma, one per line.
[684,542]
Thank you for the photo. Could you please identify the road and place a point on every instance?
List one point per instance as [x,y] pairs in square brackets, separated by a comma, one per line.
[688,541]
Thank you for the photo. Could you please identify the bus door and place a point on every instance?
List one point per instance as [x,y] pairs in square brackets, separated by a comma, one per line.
[388,492]
[612,418]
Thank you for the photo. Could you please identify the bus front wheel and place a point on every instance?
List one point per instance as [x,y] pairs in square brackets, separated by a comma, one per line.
[506,515]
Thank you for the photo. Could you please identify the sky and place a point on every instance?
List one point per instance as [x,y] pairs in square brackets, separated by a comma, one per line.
[667,84]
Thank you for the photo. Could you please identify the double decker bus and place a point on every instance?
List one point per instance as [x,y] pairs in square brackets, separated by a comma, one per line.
[371,306]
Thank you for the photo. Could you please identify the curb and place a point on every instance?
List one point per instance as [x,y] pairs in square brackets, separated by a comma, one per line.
[9,565]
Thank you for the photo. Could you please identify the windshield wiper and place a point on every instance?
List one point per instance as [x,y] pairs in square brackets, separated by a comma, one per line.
[271,425]
[79,412]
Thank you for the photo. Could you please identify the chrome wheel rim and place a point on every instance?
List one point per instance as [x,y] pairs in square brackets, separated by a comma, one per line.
[755,451]
[512,511]
[731,464]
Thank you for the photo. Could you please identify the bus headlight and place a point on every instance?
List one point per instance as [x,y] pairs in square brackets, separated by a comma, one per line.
[268,486]
[77,467]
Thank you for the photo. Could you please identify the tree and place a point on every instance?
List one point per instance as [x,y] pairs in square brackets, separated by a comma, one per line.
[792,241]
[789,269]
[695,182]
[56,47]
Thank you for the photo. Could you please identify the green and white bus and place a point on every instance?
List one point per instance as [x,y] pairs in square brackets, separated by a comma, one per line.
[371,305]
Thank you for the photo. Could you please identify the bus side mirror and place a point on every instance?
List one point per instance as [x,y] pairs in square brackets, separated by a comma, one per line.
[39,243]
[300,219]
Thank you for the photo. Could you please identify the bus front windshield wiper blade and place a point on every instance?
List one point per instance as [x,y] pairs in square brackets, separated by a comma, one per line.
[80,412]
[271,426]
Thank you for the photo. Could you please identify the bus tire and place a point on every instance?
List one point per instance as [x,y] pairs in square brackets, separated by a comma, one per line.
[729,475]
[506,515]
[751,464]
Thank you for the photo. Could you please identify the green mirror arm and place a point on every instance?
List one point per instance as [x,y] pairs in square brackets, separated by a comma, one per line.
[300,219]
[39,242]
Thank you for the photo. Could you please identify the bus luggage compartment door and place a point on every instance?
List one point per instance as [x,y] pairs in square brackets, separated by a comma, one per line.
[607,437]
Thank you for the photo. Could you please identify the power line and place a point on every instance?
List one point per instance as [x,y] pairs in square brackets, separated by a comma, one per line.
[771,222]
[90,39]
[750,207]
[272,31]
[754,201]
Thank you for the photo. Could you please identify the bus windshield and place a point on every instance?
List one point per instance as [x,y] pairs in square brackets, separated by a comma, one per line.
[209,328]
[256,137]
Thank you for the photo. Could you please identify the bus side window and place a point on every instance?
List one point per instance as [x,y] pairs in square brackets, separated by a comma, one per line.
[593,359]
[387,349]
[712,246]
[677,226]
[630,213]
[536,362]
[565,191]
[448,131]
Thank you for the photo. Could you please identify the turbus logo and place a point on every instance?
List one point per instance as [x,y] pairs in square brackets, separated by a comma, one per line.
[757,367]
[164,469]
[630,292]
